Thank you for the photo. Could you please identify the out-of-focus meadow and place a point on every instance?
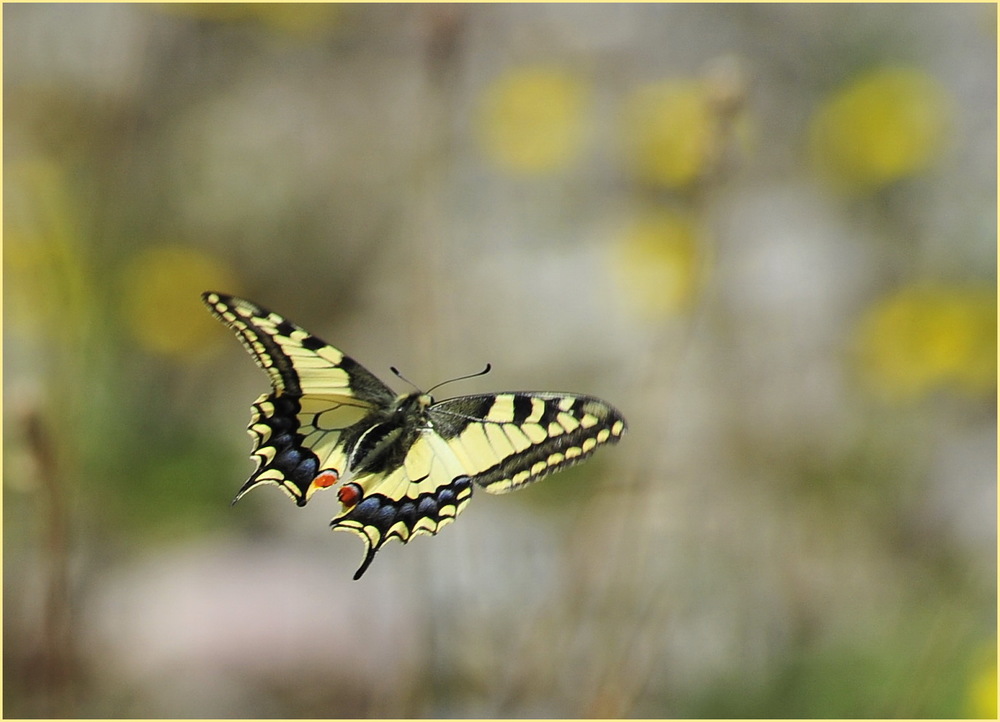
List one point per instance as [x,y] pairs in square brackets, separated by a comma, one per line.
[767,233]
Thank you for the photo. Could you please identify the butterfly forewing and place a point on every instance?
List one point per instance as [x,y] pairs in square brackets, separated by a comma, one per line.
[510,439]
[297,362]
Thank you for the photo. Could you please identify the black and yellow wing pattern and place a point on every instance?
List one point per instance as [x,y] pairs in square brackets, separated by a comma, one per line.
[405,464]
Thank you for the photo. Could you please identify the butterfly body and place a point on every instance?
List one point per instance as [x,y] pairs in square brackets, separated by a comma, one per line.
[406,464]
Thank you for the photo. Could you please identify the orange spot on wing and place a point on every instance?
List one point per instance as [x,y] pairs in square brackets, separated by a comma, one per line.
[323,480]
[326,479]
[349,494]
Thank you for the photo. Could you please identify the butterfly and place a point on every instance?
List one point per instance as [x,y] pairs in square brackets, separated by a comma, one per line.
[403,464]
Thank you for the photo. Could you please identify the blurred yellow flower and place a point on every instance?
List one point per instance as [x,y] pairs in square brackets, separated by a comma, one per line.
[926,337]
[162,298]
[658,262]
[532,119]
[884,126]
[983,692]
[669,132]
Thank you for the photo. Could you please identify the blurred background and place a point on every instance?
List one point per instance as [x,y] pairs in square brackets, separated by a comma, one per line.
[767,233]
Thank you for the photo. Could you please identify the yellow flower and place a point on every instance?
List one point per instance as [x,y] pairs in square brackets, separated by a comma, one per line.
[658,261]
[532,119]
[884,126]
[926,337]
[669,132]
[982,701]
[162,298]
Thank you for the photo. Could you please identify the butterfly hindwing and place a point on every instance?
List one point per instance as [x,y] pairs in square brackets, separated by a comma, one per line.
[298,442]
[405,464]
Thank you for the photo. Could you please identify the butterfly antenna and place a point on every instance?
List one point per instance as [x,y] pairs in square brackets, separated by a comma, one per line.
[398,375]
[462,378]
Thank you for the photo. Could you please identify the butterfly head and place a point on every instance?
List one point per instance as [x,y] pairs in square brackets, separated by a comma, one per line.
[412,406]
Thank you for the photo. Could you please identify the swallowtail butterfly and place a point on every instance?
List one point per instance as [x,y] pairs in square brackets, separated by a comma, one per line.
[403,464]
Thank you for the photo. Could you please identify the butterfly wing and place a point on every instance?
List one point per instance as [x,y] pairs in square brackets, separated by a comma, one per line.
[423,493]
[507,440]
[317,394]
[497,441]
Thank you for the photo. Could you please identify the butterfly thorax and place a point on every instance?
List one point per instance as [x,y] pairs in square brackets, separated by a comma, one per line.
[382,445]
